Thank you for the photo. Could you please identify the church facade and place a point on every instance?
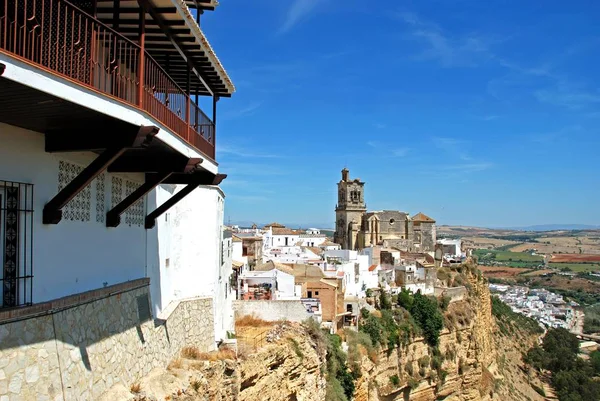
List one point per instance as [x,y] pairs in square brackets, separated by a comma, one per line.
[356,228]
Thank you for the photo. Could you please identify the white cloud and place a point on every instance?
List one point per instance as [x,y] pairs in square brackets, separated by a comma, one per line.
[448,49]
[299,10]
[454,146]
[396,152]
[468,167]
[245,111]
[243,152]
[400,152]
[571,99]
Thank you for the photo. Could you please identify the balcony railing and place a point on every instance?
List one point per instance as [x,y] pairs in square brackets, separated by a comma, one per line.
[60,37]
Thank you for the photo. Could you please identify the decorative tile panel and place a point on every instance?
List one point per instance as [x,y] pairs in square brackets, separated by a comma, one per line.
[79,208]
[135,214]
[101,198]
[116,192]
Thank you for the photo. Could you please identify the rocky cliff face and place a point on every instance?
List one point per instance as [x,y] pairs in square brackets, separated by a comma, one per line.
[474,363]
[287,366]
[466,350]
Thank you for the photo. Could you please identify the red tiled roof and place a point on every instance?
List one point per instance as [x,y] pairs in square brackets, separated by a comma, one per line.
[372,267]
[422,217]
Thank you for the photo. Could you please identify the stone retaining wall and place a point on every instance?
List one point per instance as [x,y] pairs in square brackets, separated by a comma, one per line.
[293,311]
[455,293]
[78,347]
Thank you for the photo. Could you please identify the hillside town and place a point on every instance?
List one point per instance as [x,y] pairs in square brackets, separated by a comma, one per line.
[548,308]
[379,251]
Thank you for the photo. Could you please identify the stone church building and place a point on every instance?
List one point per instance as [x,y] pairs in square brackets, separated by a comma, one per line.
[356,228]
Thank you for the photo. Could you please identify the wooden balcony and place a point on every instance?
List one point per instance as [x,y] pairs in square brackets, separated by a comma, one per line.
[59,37]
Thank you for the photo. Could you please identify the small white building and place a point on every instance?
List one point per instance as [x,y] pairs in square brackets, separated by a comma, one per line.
[267,285]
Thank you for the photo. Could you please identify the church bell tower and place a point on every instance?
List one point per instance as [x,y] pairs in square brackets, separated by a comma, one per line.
[349,211]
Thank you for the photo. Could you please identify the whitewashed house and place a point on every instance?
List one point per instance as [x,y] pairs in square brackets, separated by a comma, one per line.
[110,208]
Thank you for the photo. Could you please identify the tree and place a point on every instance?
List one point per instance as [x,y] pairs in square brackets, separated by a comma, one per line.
[536,357]
[384,301]
[595,361]
[405,299]
[373,328]
[426,314]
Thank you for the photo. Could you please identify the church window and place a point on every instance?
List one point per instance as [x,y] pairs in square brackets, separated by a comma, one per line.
[392,221]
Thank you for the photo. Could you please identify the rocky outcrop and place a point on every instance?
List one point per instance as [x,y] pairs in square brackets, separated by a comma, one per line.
[459,372]
[473,362]
[288,366]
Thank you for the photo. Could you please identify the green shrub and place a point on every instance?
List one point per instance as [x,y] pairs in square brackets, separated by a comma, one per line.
[436,362]
[395,380]
[427,315]
[444,301]
[338,376]
[413,383]
[409,368]
[372,326]
[384,301]
[538,390]
[405,299]
[296,348]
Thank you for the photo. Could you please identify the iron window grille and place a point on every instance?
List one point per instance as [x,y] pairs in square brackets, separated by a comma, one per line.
[16,241]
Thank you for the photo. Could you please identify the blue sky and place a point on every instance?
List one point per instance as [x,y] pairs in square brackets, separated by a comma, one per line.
[475,113]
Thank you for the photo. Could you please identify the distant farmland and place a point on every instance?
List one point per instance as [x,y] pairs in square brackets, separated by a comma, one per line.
[577,267]
[574,258]
[514,259]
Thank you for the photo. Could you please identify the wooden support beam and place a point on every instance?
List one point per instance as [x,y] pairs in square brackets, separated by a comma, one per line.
[155,31]
[52,213]
[52,210]
[135,10]
[99,138]
[116,6]
[153,162]
[204,178]
[113,217]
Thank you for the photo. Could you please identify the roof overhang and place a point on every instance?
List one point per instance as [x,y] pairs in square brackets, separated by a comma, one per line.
[174,39]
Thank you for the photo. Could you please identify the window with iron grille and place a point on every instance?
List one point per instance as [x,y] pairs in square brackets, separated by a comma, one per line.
[16,244]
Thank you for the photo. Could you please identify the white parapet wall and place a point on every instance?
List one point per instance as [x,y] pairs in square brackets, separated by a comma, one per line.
[293,311]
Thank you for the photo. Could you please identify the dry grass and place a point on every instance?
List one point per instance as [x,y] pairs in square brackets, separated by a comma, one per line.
[191,353]
[219,355]
[251,321]
[175,364]
[135,388]
[195,353]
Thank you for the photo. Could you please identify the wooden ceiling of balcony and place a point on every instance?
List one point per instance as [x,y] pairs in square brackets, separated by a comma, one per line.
[167,37]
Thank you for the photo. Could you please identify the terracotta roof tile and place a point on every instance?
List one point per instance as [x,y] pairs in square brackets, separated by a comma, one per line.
[372,268]
[423,218]
[274,225]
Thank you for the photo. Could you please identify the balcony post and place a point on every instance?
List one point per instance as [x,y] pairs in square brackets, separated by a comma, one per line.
[214,120]
[142,58]
[188,99]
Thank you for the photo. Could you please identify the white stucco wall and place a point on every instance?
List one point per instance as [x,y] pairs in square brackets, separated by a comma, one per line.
[312,240]
[186,260]
[280,240]
[71,256]
[285,285]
